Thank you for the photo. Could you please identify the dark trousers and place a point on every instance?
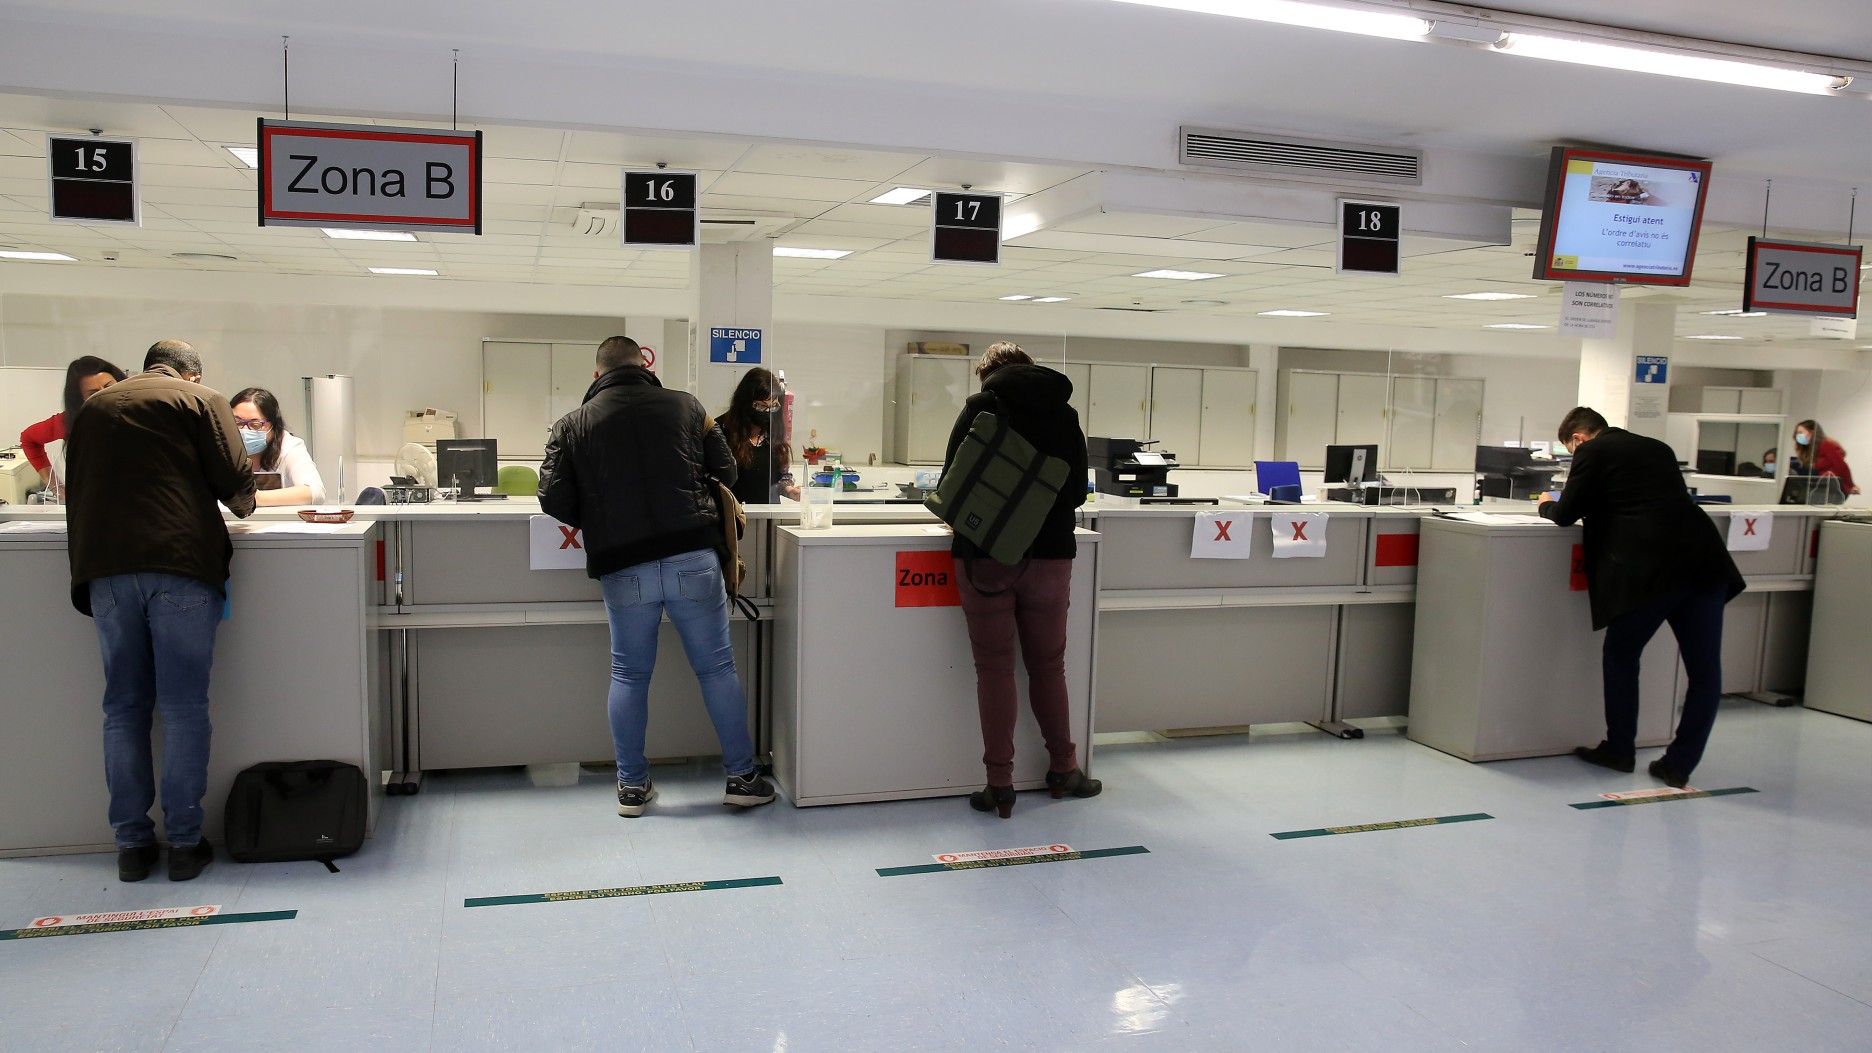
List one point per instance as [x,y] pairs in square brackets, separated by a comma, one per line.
[1696,619]
[1029,603]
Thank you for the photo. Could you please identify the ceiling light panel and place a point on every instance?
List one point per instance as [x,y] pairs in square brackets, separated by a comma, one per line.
[1489,296]
[1292,314]
[1178,276]
[1310,16]
[1669,63]
[1516,325]
[810,254]
[903,195]
[414,272]
[342,234]
[42,257]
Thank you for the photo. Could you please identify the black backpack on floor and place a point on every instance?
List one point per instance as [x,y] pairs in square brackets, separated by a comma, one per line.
[282,811]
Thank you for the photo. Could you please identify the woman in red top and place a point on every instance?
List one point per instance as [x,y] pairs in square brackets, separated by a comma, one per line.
[1823,456]
[84,377]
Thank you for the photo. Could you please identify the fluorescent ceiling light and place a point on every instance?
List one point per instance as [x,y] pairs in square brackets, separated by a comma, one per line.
[1516,325]
[1311,16]
[414,271]
[1292,314]
[248,155]
[1179,276]
[1489,296]
[368,235]
[1467,32]
[1018,297]
[1052,299]
[1669,63]
[1712,336]
[1737,312]
[14,254]
[811,254]
[903,195]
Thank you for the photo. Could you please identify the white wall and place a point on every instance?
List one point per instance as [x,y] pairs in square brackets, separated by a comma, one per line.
[1523,399]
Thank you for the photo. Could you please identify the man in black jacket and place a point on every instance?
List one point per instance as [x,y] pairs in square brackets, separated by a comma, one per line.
[634,468]
[1652,556]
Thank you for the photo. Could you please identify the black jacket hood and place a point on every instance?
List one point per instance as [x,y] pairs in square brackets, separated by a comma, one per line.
[1032,387]
[621,376]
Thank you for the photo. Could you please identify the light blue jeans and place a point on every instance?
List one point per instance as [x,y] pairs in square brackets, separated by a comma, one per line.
[157,634]
[690,588]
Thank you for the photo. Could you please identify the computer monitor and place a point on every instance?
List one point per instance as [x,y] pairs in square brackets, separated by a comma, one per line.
[467,464]
[1716,462]
[1812,490]
[1351,465]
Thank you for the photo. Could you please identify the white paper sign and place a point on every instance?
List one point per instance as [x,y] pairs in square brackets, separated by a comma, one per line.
[1299,534]
[1222,535]
[1835,328]
[1589,309]
[1750,531]
[552,545]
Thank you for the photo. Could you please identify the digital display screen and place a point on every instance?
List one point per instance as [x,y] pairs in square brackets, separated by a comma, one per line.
[1621,218]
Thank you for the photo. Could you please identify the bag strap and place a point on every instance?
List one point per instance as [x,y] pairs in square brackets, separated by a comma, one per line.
[973,479]
[746,607]
[1029,475]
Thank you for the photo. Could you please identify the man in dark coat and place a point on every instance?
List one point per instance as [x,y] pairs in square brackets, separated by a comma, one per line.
[1652,556]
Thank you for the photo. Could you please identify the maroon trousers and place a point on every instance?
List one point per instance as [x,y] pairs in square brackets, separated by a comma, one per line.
[1028,603]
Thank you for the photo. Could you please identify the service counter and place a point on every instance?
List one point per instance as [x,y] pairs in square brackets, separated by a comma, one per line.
[873,679]
[296,675]
[1839,663]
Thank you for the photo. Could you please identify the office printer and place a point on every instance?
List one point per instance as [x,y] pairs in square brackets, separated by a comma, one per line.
[1124,468]
[1512,471]
[18,477]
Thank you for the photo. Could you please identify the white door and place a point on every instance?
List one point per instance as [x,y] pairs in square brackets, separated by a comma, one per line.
[1120,402]
[1312,417]
[1176,412]
[515,396]
[1080,373]
[1413,423]
[1458,425]
[572,368]
[1363,412]
[1228,417]
[938,387]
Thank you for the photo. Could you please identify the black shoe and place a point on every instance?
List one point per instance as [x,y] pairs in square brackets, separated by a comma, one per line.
[632,800]
[134,864]
[749,791]
[1605,758]
[993,799]
[1663,773]
[187,862]
[1059,784]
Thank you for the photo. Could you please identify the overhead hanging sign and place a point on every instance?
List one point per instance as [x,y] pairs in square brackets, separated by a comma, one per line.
[92,180]
[369,177]
[1369,236]
[1589,309]
[660,210]
[1795,277]
[965,228]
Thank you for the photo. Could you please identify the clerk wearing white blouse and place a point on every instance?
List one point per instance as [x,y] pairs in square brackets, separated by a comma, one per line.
[271,448]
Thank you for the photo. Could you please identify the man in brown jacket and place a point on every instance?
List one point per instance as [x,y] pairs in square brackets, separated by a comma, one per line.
[149,560]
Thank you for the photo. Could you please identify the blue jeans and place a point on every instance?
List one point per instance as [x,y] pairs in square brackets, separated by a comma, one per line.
[690,588]
[157,634]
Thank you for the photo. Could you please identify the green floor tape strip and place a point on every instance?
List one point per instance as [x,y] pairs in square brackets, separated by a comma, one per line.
[983,864]
[614,893]
[1688,796]
[154,923]
[1399,824]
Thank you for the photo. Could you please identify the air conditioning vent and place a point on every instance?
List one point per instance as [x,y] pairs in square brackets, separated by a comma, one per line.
[1300,158]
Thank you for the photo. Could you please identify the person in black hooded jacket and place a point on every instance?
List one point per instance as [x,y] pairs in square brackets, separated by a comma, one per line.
[633,468]
[1027,601]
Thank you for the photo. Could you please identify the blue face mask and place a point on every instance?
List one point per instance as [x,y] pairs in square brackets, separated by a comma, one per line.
[1803,438]
[1768,470]
[255,441]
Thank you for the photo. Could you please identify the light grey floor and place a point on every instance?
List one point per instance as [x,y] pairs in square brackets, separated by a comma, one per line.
[1735,923]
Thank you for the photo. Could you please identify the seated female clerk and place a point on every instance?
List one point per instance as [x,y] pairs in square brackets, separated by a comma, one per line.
[84,377]
[271,448]
[755,428]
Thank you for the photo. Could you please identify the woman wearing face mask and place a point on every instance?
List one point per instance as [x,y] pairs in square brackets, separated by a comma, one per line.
[271,448]
[1822,456]
[1768,464]
[756,433]
[84,377]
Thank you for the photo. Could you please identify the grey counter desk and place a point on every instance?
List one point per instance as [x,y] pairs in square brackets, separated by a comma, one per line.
[904,724]
[1839,664]
[294,676]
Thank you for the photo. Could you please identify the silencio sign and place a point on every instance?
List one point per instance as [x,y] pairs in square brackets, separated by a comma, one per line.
[369,177]
[1797,277]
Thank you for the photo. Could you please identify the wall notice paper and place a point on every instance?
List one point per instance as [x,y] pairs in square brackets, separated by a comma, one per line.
[1299,534]
[1222,535]
[1750,531]
[551,545]
[1589,309]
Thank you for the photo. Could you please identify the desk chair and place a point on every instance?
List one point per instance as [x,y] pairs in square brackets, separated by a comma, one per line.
[1270,474]
[517,480]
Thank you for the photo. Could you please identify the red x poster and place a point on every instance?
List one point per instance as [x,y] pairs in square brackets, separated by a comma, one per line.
[1222,535]
[551,545]
[1299,534]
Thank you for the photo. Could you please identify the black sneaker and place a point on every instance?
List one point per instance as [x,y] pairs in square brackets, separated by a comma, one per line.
[632,800]
[749,791]
[1664,774]
[1605,758]
[134,864]
[187,862]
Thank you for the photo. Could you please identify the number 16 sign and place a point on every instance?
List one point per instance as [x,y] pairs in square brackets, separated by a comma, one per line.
[660,210]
